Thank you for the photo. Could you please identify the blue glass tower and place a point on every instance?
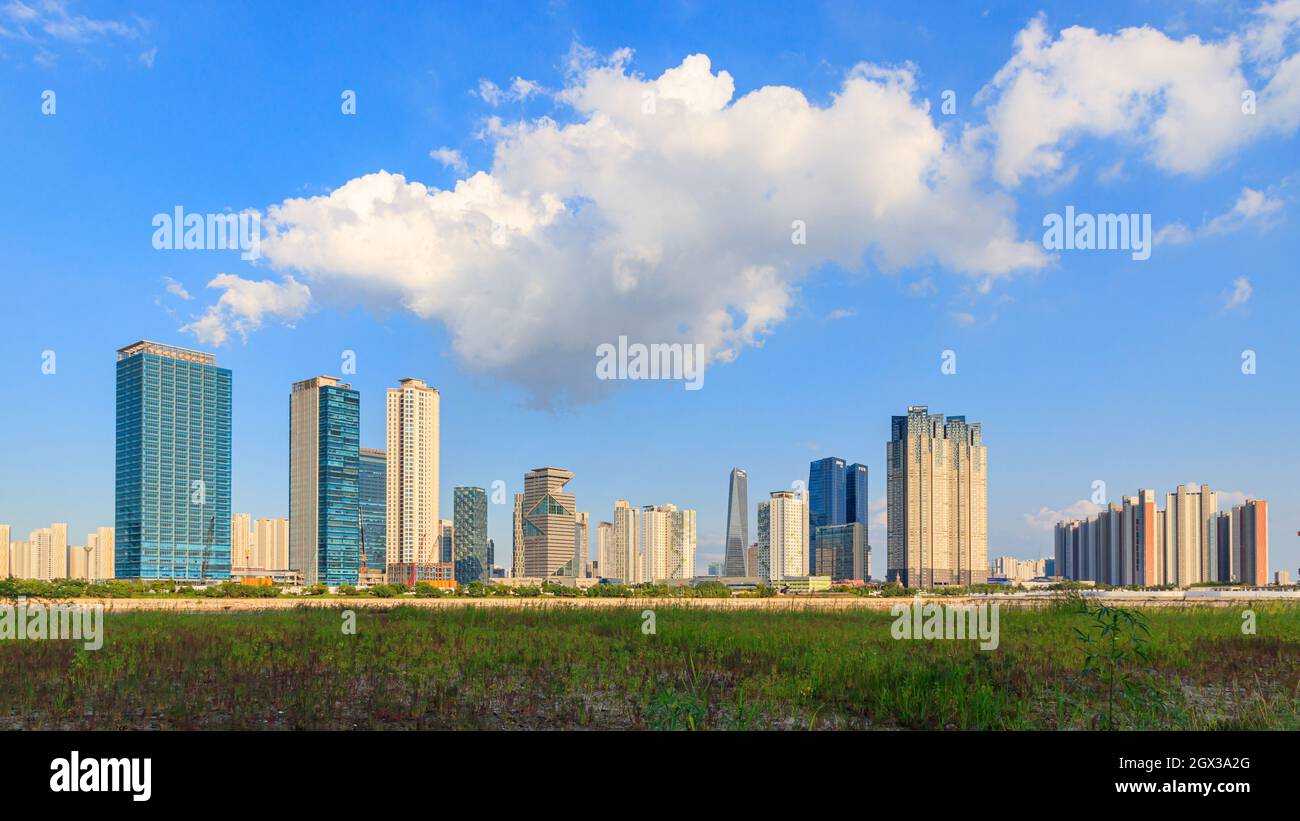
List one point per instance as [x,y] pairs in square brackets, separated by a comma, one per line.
[172,483]
[324,481]
[856,502]
[827,499]
[470,545]
[373,479]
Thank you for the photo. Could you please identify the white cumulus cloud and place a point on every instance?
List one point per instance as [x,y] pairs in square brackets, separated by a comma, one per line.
[243,305]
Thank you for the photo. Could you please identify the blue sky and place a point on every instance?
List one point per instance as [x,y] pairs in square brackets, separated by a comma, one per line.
[923,228]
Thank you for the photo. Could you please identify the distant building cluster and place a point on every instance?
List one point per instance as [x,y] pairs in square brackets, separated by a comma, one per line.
[1188,541]
[1020,570]
[47,556]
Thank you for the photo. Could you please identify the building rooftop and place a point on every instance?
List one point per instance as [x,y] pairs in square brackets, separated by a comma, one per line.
[144,346]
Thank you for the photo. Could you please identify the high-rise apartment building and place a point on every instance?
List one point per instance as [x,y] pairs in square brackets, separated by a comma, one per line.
[1188,542]
[625,557]
[172,484]
[783,536]
[737,523]
[373,479]
[5,570]
[937,500]
[100,548]
[324,490]
[667,543]
[241,540]
[47,553]
[548,522]
[413,530]
[470,546]
[605,548]
[271,544]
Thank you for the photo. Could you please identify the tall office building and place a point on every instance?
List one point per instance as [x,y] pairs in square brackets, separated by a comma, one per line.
[937,500]
[549,522]
[625,556]
[517,545]
[241,540]
[324,490]
[841,552]
[470,547]
[172,489]
[605,548]
[783,536]
[412,503]
[737,523]
[373,479]
[826,497]
[837,495]
[857,504]
[667,543]
[446,537]
[271,544]
[577,566]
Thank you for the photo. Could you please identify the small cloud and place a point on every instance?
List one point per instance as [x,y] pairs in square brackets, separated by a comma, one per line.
[1111,173]
[520,90]
[449,157]
[244,303]
[922,287]
[1047,518]
[840,313]
[1240,295]
[176,289]
[964,319]
[1251,208]
[147,57]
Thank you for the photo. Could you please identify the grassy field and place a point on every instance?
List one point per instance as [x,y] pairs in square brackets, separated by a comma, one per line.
[538,668]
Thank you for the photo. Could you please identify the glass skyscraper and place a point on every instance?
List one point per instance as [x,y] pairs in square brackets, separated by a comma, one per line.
[737,524]
[827,499]
[372,471]
[856,503]
[470,548]
[324,481]
[172,483]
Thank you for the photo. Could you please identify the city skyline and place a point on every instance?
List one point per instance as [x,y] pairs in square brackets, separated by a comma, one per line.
[905,293]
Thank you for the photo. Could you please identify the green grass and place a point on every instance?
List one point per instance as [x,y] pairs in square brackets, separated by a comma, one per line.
[558,667]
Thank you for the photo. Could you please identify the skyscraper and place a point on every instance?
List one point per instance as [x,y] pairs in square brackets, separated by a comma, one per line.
[625,556]
[241,540]
[937,500]
[101,545]
[857,505]
[412,497]
[667,543]
[837,495]
[172,496]
[548,522]
[577,566]
[271,544]
[373,480]
[605,548]
[737,523]
[841,552]
[324,481]
[470,546]
[446,538]
[5,570]
[783,536]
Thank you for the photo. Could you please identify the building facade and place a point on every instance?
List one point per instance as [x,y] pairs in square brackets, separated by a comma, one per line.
[413,527]
[172,483]
[737,523]
[783,536]
[324,481]
[372,473]
[548,522]
[937,476]
[470,547]
[841,552]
